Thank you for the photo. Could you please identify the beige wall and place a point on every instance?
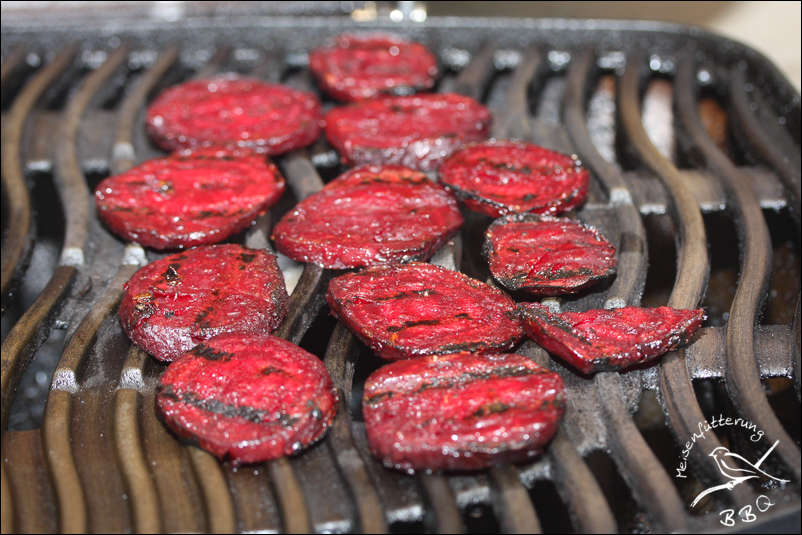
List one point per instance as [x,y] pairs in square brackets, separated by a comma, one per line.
[771,27]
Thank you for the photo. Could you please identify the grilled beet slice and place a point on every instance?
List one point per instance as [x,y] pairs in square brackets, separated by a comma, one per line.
[189,198]
[604,340]
[416,131]
[234,112]
[506,177]
[181,300]
[462,411]
[357,67]
[415,309]
[368,216]
[250,398]
[545,255]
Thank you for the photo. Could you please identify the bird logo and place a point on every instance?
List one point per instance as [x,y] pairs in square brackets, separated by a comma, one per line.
[737,469]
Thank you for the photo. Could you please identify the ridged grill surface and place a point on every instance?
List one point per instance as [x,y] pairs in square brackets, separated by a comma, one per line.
[641,104]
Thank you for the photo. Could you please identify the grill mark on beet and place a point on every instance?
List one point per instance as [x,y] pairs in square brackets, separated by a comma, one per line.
[610,340]
[544,255]
[206,199]
[417,131]
[461,411]
[400,313]
[234,112]
[505,177]
[247,397]
[173,304]
[353,223]
[355,67]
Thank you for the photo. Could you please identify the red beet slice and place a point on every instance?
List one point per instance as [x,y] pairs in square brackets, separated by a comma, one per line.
[250,398]
[545,255]
[416,131]
[504,177]
[463,411]
[230,111]
[189,198]
[604,340]
[357,67]
[181,300]
[367,216]
[415,309]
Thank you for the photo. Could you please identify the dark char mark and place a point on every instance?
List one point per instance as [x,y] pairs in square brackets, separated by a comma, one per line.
[208,353]
[229,411]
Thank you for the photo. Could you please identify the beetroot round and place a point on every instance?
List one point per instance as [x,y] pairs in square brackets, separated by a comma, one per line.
[189,198]
[463,411]
[608,340]
[415,309]
[357,67]
[545,255]
[417,131]
[505,177]
[174,303]
[249,398]
[367,216]
[231,111]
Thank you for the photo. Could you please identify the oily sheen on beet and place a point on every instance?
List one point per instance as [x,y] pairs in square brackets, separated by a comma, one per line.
[367,216]
[417,131]
[250,398]
[408,310]
[545,255]
[462,411]
[189,198]
[174,303]
[231,111]
[604,340]
[357,67]
[505,177]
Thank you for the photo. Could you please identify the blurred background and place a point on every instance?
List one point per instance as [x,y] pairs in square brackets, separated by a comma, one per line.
[771,27]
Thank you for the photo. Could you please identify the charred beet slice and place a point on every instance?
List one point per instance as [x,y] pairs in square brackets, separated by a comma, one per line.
[545,255]
[232,111]
[417,131]
[505,177]
[189,198]
[174,303]
[249,398]
[415,309]
[370,215]
[604,340]
[462,411]
[357,67]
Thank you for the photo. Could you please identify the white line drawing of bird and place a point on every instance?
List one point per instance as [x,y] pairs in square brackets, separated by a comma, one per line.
[737,469]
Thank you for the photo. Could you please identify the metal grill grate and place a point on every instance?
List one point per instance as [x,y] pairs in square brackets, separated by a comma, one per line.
[101,460]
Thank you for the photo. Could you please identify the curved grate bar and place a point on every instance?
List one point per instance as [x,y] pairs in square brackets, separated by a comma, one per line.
[742,375]
[638,465]
[69,177]
[29,331]
[447,518]
[130,453]
[512,503]
[124,154]
[787,165]
[340,364]
[472,80]
[72,503]
[676,390]
[10,64]
[512,121]
[515,122]
[578,488]
[18,236]
[214,64]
